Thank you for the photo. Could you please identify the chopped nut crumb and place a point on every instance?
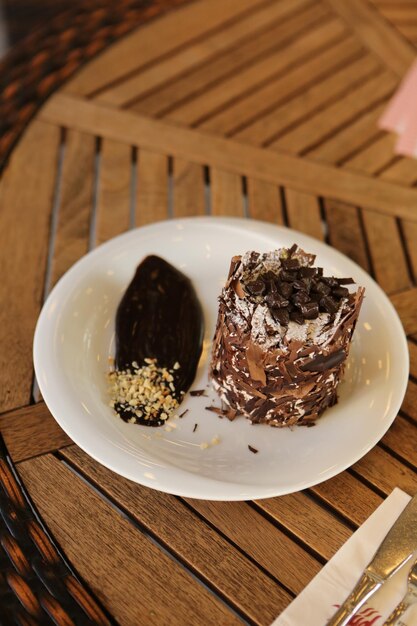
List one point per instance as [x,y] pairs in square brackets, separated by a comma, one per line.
[176,366]
[204,445]
[215,440]
[145,392]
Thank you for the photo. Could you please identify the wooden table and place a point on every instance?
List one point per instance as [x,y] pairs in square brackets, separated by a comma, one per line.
[274,104]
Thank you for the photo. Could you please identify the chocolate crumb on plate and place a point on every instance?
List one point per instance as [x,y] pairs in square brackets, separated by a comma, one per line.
[254,450]
[195,427]
[183,413]
[198,392]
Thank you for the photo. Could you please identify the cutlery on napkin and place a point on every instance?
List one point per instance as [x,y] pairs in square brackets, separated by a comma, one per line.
[327,591]
[410,597]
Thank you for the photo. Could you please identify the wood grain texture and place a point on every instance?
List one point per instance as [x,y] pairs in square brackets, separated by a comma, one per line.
[294,172]
[409,406]
[345,494]
[412,347]
[26,197]
[376,34]
[188,181]
[385,472]
[401,439]
[134,568]
[244,97]
[382,232]
[241,60]
[151,187]
[405,303]
[114,190]
[138,49]
[198,52]
[277,119]
[226,193]
[308,521]
[345,231]
[75,202]
[347,141]
[195,543]
[238,522]
[309,134]
[264,201]
[30,431]
[303,213]
[259,63]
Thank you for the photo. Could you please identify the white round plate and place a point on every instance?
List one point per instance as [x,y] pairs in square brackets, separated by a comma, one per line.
[75,336]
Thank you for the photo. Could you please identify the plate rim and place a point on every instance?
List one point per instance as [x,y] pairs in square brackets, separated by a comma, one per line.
[208,482]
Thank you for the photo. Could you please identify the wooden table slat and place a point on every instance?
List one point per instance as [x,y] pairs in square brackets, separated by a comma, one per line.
[345,231]
[189,192]
[114,190]
[255,73]
[26,198]
[218,85]
[264,201]
[266,129]
[151,187]
[376,33]
[75,202]
[226,193]
[313,131]
[133,52]
[31,431]
[303,212]
[250,27]
[195,543]
[279,168]
[86,527]
[307,59]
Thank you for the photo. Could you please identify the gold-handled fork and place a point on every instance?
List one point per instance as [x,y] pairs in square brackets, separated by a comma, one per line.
[409,598]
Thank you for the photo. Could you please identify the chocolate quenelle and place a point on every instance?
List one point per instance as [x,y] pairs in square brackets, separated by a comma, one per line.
[282,337]
[159,338]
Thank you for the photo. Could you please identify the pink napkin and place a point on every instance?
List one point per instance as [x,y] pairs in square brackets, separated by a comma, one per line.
[320,599]
[401,114]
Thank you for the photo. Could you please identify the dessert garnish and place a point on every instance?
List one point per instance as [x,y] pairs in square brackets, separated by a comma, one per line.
[159,337]
[283,334]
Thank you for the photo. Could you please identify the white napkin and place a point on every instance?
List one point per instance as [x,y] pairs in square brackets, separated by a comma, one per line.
[320,599]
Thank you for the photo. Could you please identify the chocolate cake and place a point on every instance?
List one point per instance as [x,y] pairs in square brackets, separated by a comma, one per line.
[282,337]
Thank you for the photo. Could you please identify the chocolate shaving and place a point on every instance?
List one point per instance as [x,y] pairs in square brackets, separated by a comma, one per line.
[198,392]
[195,427]
[254,450]
[229,413]
[254,356]
[183,413]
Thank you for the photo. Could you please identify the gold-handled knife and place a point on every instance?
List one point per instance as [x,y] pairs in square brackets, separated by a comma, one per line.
[396,549]
[409,598]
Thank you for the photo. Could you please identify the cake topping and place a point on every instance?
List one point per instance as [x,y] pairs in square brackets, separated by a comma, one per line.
[293,291]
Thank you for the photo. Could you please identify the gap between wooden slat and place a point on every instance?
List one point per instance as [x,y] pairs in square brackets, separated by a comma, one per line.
[251,27]
[111,502]
[294,172]
[376,34]
[163,583]
[26,198]
[137,51]
[164,517]
[237,103]
[213,85]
